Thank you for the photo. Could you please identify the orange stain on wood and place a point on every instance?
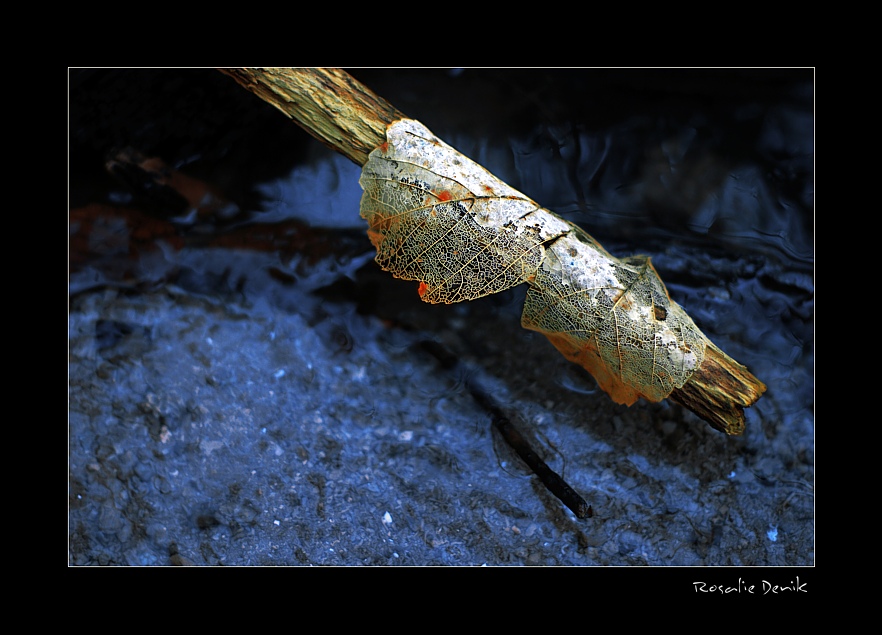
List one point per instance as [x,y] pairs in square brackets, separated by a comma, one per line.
[587,356]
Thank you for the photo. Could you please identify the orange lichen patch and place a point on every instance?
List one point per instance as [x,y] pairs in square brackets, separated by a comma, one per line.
[424,288]
[444,195]
[384,147]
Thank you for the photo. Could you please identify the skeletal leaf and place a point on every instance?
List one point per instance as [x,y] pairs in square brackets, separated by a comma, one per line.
[613,317]
[437,217]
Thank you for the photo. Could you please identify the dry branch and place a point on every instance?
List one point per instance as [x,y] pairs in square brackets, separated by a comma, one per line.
[328,103]
[348,117]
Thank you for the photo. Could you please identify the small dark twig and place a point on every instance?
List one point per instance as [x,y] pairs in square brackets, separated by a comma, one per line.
[551,479]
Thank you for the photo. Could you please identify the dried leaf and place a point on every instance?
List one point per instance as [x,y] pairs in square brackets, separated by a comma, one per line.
[438,217]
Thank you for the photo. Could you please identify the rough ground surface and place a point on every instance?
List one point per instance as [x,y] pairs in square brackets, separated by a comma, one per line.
[232,404]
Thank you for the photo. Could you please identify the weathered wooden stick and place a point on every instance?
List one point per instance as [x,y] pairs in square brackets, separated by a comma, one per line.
[349,118]
[719,391]
[328,103]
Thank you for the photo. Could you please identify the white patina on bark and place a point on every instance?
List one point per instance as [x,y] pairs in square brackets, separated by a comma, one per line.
[438,217]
